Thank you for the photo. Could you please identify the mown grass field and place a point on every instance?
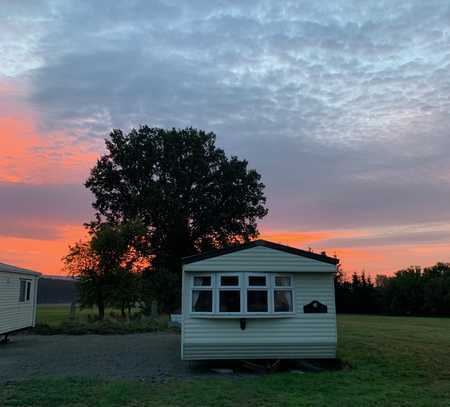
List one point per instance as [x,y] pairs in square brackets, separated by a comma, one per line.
[57,319]
[396,361]
[55,314]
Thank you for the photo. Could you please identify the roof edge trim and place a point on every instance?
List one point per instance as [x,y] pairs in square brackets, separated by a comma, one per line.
[264,243]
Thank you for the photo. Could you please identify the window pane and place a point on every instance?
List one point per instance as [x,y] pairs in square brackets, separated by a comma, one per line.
[232,281]
[28,290]
[283,300]
[257,281]
[202,300]
[22,290]
[283,281]
[257,301]
[230,301]
[201,281]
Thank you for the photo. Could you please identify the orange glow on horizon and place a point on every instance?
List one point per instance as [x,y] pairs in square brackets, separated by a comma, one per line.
[372,260]
[43,256]
[311,240]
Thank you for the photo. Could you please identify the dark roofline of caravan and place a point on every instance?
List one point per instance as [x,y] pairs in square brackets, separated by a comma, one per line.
[276,246]
[9,268]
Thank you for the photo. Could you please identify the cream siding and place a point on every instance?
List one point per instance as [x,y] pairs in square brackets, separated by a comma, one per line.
[298,335]
[259,259]
[15,315]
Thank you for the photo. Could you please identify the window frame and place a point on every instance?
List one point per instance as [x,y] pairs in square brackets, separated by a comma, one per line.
[243,289]
[289,288]
[266,275]
[201,288]
[221,287]
[27,293]
[266,288]
[282,275]
[238,275]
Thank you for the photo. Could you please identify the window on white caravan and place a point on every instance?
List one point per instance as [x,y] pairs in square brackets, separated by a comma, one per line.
[282,294]
[28,290]
[202,294]
[229,293]
[257,293]
[22,291]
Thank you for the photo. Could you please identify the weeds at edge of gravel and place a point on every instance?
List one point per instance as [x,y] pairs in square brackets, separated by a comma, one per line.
[105,327]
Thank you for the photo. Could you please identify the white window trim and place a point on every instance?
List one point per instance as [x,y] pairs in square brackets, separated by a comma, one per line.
[266,287]
[28,282]
[202,275]
[28,291]
[283,288]
[221,287]
[201,288]
[243,287]
[266,275]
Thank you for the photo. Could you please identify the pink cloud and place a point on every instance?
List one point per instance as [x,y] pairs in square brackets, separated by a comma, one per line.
[29,155]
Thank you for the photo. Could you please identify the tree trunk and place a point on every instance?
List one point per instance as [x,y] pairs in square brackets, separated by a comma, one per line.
[101,310]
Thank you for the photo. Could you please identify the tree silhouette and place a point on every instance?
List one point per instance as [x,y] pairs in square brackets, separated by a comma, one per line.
[189,195]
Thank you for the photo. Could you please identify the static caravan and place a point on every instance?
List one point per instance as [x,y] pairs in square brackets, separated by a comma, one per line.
[259,300]
[18,295]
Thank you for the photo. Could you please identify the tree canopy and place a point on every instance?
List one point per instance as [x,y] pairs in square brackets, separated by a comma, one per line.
[188,195]
[185,190]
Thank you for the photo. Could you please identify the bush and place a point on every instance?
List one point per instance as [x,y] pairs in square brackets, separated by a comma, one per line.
[108,326]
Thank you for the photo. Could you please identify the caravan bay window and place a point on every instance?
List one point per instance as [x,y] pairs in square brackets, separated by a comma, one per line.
[241,294]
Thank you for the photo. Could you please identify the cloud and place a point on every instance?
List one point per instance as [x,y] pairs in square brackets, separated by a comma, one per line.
[22,27]
[327,187]
[342,107]
[38,211]
[345,114]
[270,67]
[30,155]
[405,235]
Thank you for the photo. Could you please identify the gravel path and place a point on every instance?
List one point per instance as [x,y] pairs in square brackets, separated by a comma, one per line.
[151,356]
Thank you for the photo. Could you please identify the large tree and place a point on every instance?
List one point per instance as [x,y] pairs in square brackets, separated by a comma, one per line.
[189,195]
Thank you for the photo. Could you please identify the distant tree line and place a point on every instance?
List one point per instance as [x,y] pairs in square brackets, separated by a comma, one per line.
[412,291]
[56,291]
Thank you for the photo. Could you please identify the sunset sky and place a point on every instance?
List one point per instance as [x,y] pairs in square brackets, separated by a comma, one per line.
[343,108]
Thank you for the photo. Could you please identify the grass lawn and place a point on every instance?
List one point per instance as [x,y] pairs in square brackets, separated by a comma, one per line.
[57,313]
[396,361]
[56,319]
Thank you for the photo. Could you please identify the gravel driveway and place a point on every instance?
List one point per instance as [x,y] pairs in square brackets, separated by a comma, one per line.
[151,356]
